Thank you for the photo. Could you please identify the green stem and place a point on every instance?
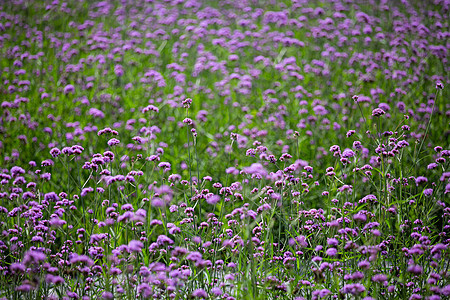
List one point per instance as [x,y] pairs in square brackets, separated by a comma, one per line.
[428,126]
[198,182]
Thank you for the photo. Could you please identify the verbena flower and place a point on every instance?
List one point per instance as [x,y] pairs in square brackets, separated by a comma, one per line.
[33,257]
[199,293]
[135,246]
[69,89]
[377,112]
[353,288]
[113,142]
[379,278]
[331,252]
[420,180]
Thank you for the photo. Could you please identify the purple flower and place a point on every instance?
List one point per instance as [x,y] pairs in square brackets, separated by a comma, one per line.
[350,133]
[188,121]
[229,277]
[113,142]
[438,248]
[96,113]
[158,202]
[415,269]
[353,288]
[445,153]
[377,112]
[428,192]
[308,169]
[127,206]
[357,145]
[250,152]
[348,153]
[444,176]
[72,295]
[401,106]
[335,148]
[135,246]
[54,279]
[33,257]
[178,251]
[420,180]
[107,295]
[82,259]
[107,130]
[85,191]
[187,102]
[15,171]
[57,222]
[364,265]
[446,290]
[380,278]
[323,293]
[255,169]
[150,108]
[299,240]
[115,271]
[216,291]
[162,239]
[55,152]
[316,259]
[155,222]
[332,252]
[77,149]
[199,293]
[346,188]
[118,70]
[145,290]
[214,199]
[17,268]
[332,242]
[47,162]
[369,198]
[432,166]
[24,288]
[360,217]
[69,89]
[67,151]
[375,232]
[126,216]
[175,230]
[165,165]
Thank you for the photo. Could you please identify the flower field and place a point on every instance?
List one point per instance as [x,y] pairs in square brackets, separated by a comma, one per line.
[253,149]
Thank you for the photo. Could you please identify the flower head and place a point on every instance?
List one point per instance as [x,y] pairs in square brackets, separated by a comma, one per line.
[377,112]
[69,89]
[199,293]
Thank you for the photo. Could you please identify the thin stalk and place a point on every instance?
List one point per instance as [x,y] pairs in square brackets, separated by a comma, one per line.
[198,181]
[428,126]
[189,156]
